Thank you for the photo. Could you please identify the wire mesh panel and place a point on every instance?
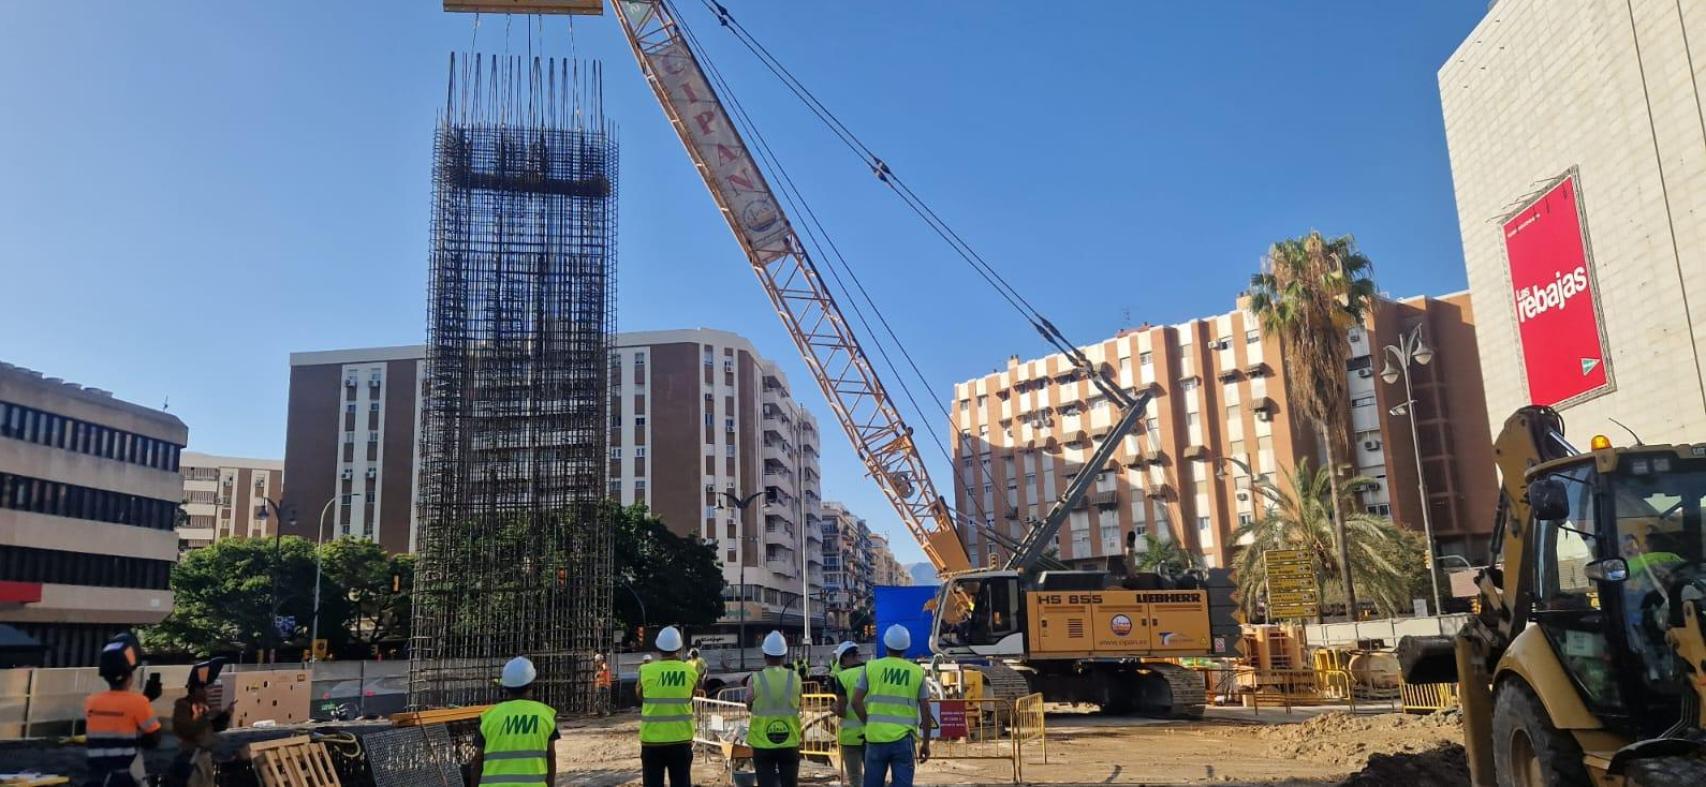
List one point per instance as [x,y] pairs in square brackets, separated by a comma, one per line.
[514,552]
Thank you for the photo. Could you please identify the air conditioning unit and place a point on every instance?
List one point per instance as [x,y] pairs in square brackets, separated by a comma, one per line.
[373,382]
[1365,373]
[1221,344]
[350,381]
[1264,415]
[346,474]
[1242,496]
[372,472]
[1372,445]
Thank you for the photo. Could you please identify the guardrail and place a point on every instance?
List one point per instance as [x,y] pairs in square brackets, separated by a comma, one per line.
[984,729]
[1260,689]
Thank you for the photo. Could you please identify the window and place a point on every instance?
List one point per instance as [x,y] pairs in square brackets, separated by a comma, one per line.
[1252,336]
[982,401]
[729,425]
[639,485]
[1188,385]
[1146,358]
[1380,509]
[729,450]
[1363,401]
[1565,603]
[1233,411]
[1190,419]
[615,453]
[639,452]
[639,422]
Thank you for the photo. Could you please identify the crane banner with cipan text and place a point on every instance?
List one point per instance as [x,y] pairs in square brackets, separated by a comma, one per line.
[754,214]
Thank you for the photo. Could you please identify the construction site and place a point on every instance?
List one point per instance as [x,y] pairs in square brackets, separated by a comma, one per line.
[1058,647]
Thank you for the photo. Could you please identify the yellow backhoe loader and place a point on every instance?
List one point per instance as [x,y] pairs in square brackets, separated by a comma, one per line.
[1585,663]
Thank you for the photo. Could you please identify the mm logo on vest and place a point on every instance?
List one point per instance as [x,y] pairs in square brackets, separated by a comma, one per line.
[673,679]
[897,675]
[521,725]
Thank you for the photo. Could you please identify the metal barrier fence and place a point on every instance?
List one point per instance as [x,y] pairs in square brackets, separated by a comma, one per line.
[1030,724]
[1427,697]
[1260,689]
[987,729]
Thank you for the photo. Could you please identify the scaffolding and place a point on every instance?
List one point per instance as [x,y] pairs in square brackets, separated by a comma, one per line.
[515,554]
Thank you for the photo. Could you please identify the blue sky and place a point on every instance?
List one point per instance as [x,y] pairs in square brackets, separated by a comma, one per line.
[191,191]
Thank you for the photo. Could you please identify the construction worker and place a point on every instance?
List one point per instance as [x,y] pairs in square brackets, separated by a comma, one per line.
[844,678]
[120,722]
[517,737]
[773,696]
[605,681]
[665,692]
[196,723]
[700,668]
[890,699]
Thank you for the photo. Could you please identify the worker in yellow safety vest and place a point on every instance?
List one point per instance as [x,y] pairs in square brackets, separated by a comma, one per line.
[517,736]
[773,733]
[844,678]
[665,692]
[890,698]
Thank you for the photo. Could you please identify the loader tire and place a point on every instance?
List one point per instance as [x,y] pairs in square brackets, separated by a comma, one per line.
[1664,771]
[1527,750]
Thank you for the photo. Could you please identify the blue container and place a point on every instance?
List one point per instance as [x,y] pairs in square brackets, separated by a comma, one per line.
[906,605]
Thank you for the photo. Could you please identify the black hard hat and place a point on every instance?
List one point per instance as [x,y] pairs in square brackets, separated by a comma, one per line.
[121,656]
[205,673]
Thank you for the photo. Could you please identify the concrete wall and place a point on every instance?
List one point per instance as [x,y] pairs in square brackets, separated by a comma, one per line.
[1612,89]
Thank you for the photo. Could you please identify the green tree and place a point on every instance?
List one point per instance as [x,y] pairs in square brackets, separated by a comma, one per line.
[367,590]
[678,579]
[223,597]
[1384,557]
[1311,291]
[1164,557]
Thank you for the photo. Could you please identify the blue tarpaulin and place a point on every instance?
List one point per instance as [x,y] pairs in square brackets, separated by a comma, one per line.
[905,604]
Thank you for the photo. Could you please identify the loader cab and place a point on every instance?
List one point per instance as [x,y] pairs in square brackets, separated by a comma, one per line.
[1617,544]
[980,615]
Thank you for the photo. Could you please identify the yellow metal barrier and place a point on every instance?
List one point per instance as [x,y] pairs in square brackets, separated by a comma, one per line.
[1286,688]
[1427,697]
[1030,724]
[819,727]
[980,729]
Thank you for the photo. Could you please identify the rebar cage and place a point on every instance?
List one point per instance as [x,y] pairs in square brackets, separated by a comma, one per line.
[515,557]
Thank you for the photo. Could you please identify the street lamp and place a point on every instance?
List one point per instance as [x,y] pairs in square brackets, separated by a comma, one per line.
[319,538]
[740,504]
[277,558]
[1411,348]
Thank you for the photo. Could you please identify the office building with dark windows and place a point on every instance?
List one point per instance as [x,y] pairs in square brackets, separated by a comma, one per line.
[89,497]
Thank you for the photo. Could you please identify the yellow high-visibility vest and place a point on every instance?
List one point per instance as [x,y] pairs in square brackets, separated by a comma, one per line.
[775,722]
[666,707]
[518,742]
[852,731]
[891,699]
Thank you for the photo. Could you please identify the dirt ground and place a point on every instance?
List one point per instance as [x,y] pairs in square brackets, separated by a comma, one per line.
[1228,747]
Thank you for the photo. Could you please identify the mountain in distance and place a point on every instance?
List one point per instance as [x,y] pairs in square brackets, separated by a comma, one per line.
[922,574]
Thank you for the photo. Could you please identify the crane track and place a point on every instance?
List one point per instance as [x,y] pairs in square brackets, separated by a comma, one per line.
[1186,686]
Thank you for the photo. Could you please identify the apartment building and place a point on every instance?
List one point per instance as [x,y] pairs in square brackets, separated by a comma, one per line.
[352,444]
[225,497]
[700,424]
[885,569]
[846,565]
[1220,417]
[1575,137]
[89,496]
[695,414]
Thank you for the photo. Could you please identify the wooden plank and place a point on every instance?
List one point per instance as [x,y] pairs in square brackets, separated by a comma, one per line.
[438,716]
[582,7]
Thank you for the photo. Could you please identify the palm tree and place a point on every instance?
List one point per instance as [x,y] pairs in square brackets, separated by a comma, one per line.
[1164,557]
[1298,517]
[1311,291]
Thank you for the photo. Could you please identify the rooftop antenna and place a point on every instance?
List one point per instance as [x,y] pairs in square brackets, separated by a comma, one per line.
[1627,429]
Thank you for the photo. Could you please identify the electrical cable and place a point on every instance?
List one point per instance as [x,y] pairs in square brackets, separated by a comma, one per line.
[835,261]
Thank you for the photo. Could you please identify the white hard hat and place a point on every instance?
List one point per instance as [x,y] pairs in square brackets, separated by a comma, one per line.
[775,645]
[518,673]
[897,637]
[669,640]
[647,659]
[841,650]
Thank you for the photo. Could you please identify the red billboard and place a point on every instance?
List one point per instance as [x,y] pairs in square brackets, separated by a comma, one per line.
[1557,315]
